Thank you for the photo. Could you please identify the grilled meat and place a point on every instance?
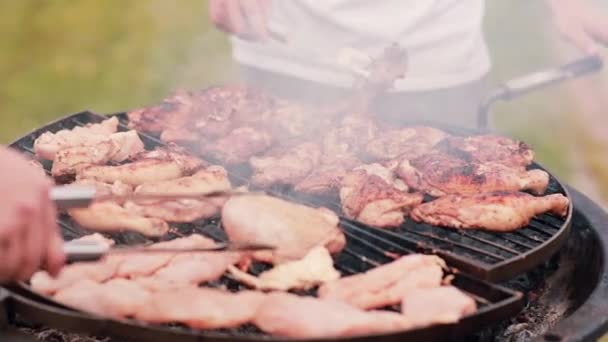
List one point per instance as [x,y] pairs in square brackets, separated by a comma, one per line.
[439,305]
[294,228]
[386,285]
[129,145]
[238,146]
[150,166]
[292,316]
[406,143]
[48,144]
[316,268]
[325,179]
[490,148]
[285,166]
[69,161]
[371,194]
[173,112]
[201,308]
[349,138]
[439,174]
[213,178]
[499,211]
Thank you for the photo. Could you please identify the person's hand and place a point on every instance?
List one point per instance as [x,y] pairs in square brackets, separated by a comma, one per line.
[29,236]
[246,19]
[582,24]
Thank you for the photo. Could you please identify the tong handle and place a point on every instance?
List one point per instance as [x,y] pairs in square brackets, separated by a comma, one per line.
[84,251]
[72,196]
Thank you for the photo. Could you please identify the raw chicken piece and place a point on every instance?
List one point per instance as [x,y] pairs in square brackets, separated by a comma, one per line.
[48,144]
[316,268]
[201,308]
[291,316]
[294,228]
[371,194]
[499,211]
[440,305]
[129,145]
[285,166]
[386,285]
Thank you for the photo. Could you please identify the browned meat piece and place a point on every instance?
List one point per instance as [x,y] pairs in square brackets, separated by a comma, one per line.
[69,161]
[285,166]
[294,228]
[129,145]
[201,308]
[213,178]
[118,298]
[371,194]
[407,143]
[500,211]
[238,146]
[439,174]
[48,144]
[316,268]
[490,148]
[173,112]
[292,316]
[386,285]
[440,305]
[352,134]
[153,166]
[325,179]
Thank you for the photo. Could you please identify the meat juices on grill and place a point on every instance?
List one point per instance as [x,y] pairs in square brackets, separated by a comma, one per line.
[293,228]
[238,146]
[406,143]
[48,143]
[285,166]
[440,305]
[371,194]
[325,179]
[438,174]
[316,268]
[387,284]
[498,211]
[292,316]
[490,148]
[150,166]
[213,178]
[201,308]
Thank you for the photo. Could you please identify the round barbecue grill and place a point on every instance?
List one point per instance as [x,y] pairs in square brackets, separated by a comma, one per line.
[476,257]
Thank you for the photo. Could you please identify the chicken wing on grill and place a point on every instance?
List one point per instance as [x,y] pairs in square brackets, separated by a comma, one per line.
[386,285]
[213,178]
[439,174]
[439,305]
[294,228]
[490,148]
[285,166]
[371,194]
[316,268]
[150,166]
[498,211]
[324,180]
[406,143]
[238,146]
[48,144]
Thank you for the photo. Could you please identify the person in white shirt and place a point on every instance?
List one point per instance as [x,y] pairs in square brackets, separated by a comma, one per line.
[448,60]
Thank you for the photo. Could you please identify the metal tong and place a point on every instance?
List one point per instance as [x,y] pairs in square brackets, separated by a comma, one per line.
[82,251]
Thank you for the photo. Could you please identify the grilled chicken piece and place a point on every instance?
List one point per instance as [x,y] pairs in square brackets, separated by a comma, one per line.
[386,285]
[294,228]
[349,138]
[48,144]
[117,298]
[213,178]
[141,265]
[371,194]
[440,305]
[316,268]
[68,162]
[285,166]
[129,145]
[325,179]
[153,166]
[238,146]
[406,143]
[173,112]
[490,148]
[499,211]
[439,174]
[292,316]
[201,308]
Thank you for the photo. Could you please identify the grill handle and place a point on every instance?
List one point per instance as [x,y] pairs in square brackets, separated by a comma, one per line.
[523,85]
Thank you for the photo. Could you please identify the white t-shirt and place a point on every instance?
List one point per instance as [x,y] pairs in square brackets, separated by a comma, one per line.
[443,38]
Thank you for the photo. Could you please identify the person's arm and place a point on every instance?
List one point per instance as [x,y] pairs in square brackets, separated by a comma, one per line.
[244,18]
[583,24]
[29,237]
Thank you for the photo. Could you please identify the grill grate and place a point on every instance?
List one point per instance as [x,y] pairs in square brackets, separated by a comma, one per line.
[366,248]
